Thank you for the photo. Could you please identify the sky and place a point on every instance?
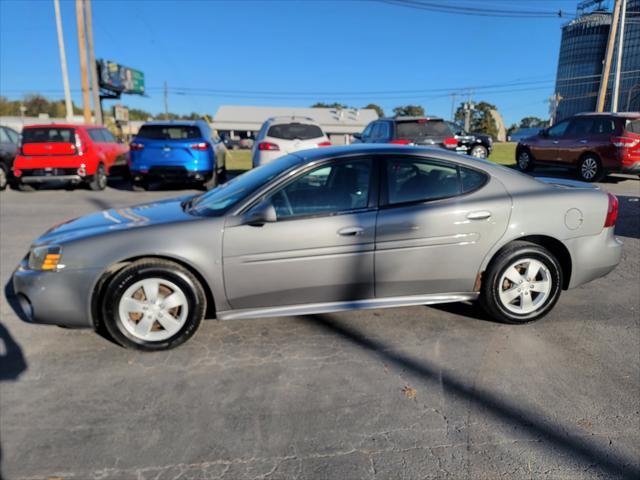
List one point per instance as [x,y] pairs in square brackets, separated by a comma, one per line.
[293,53]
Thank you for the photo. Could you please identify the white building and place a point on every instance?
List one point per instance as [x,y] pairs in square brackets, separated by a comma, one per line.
[338,124]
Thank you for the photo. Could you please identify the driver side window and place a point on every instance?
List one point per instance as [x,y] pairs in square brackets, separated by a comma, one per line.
[326,190]
[558,129]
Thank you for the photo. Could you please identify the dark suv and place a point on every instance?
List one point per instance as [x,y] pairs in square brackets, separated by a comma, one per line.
[592,143]
[477,145]
[409,131]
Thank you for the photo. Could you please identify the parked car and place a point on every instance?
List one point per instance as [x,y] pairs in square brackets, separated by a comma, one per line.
[173,151]
[324,230]
[593,144]
[477,145]
[9,139]
[409,131]
[523,133]
[76,154]
[279,136]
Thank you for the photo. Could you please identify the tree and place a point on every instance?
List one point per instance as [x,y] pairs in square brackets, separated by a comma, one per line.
[481,120]
[533,122]
[329,105]
[409,111]
[36,104]
[377,108]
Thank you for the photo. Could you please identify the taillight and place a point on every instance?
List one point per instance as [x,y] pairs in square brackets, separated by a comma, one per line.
[79,146]
[612,211]
[136,146]
[450,142]
[624,142]
[324,144]
[199,146]
[268,146]
[401,141]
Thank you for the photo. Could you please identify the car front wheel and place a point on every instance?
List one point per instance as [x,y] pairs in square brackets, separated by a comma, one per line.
[590,169]
[525,160]
[99,180]
[3,178]
[153,305]
[522,283]
[479,151]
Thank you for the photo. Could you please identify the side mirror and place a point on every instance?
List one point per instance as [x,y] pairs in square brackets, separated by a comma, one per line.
[544,132]
[262,213]
[357,136]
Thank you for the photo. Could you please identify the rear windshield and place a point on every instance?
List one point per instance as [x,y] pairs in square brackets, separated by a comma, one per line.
[422,128]
[169,132]
[295,131]
[48,135]
[633,126]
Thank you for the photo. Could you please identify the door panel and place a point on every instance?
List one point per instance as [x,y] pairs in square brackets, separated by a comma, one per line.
[438,246]
[299,261]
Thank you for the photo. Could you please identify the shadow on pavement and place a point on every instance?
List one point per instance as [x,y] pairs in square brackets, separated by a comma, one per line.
[498,407]
[628,224]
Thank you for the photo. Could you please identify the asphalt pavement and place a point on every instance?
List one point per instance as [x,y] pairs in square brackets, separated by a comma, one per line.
[419,392]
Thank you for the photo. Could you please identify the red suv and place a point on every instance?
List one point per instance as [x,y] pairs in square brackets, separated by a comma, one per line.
[70,153]
[592,143]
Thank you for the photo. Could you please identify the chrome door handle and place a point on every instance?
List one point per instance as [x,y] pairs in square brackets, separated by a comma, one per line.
[350,231]
[480,215]
[584,141]
[555,142]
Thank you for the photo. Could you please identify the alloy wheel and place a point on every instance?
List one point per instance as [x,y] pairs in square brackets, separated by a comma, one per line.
[153,309]
[589,168]
[525,286]
[479,152]
[523,160]
[3,178]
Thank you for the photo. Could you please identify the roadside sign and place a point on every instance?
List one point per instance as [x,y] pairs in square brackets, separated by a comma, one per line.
[118,78]
[121,113]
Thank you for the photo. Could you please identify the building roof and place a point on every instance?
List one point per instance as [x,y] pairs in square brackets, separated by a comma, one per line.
[332,120]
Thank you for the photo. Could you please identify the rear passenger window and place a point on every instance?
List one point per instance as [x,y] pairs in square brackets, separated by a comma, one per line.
[95,135]
[471,179]
[417,180]
[603,126]
[108,137]
[633,126]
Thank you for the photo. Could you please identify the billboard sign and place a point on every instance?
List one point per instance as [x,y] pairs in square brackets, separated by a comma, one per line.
[118,78]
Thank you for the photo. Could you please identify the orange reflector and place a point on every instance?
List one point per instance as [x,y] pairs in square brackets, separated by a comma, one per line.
[51,261]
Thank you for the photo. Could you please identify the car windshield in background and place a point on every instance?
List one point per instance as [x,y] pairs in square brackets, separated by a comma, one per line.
[422,128]
[169,132]
[220,199]
[48,135]
[295,131]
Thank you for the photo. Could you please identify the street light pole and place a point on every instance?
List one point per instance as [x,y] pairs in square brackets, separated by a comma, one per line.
[97,107]
[63,63]
[82,50]
[606,70]
[616,84]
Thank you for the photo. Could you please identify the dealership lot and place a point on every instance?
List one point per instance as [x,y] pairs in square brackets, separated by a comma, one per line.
[403,393]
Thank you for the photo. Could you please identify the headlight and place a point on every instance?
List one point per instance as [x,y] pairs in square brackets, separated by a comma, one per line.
[46,257]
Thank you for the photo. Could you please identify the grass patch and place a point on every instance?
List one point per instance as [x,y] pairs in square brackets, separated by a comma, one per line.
[504,153]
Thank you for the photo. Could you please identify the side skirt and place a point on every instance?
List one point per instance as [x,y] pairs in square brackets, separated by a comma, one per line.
[329,307]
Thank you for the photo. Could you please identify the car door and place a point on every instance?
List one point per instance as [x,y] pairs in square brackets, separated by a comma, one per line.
[546,145]
[437,221]
[575,140]
[319,250]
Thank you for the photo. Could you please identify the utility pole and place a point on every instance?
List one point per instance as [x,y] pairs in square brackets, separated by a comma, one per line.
[453,106]
[166,101]
[82,49]
[606,70]
[63,63]
[616,83]
[97,106]
[467,113]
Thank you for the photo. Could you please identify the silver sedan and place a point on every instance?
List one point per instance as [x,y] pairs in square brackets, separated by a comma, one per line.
[323,231]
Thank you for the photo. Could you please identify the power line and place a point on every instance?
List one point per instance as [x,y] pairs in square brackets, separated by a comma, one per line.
[461,9]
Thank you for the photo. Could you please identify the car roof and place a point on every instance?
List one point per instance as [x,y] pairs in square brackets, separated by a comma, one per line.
[61,125]
[609,114]
[410,118]
[291,119]
[178,123]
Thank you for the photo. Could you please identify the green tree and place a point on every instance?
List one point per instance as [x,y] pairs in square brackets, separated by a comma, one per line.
[137,114]
[533,122]
[377,108]
[409,111]
[481,119]
[329,105]
[10,108]
[36,104]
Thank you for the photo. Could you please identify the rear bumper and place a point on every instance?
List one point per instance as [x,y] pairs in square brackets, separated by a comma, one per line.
[56,298]
[593,256]
[631,167]
[171,173]
[51,178]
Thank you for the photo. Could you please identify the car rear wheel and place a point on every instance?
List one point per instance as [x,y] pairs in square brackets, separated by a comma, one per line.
[139,185]
[3,178]
[525,160]
[479,151]
[26,187]
[522,284]
[590,169]
[153,305]
[99,180]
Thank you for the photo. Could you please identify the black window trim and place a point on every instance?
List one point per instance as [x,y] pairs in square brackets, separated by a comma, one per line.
[384,184]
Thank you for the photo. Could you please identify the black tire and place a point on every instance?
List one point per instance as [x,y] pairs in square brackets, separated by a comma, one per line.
[212,182]
[590,168]
[139,185]
[153,269]
[4,177]
[525,160]
[493,283]
[99,180]
[479,151]
[26,187]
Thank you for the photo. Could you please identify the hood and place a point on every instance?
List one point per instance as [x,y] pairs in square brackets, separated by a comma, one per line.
[117,219]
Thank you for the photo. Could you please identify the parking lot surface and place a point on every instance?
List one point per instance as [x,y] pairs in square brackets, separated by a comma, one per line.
[420,392]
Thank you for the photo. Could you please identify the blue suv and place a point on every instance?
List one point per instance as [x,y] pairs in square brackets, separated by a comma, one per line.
[173,151]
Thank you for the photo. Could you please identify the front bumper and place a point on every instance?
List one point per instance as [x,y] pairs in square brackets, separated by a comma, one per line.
[56,298]
[593,256]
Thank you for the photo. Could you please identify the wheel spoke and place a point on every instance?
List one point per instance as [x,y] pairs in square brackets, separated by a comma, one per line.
[150,288]
[532,269]
[513,275]
[168,322]
[510,295]
[144,326]
[542,286]
[132,305]
[172,301]
[526,304]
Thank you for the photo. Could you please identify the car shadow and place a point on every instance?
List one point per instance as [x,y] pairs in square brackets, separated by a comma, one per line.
[499,407]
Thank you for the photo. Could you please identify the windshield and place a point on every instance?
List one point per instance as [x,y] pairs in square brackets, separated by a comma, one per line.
[220,199]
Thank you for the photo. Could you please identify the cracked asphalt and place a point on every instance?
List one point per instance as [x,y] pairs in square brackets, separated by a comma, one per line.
[419,392]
